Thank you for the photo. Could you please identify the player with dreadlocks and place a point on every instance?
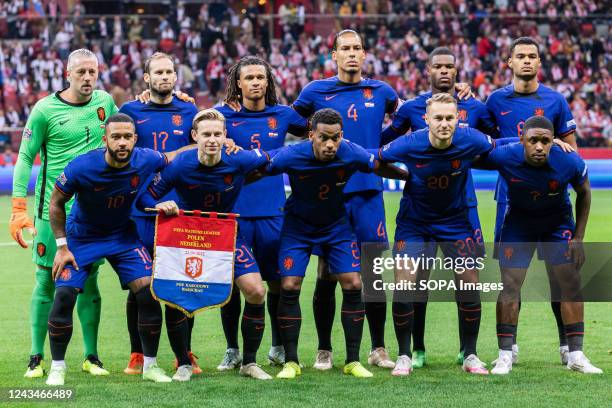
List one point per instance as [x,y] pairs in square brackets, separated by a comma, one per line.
[256,120]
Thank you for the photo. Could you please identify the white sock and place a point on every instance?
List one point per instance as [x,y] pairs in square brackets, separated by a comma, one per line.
[507,353]
[564,348]
[58,364]
[575,355]
[149,361]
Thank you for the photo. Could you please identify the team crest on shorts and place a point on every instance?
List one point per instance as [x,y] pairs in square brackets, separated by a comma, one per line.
[508,252]
[177,120]
[41,249]
[455,164]
[462,114]
[272,123]
[539,112]
[101,114]
[65,275]
[367,93]
[288,263]
[193,267]
[400,245]
[135,180]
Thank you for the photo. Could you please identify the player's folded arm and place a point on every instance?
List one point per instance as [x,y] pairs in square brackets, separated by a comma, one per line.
[390,171]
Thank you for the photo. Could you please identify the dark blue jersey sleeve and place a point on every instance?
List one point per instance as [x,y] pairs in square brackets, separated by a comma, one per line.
[298,124]
[395,151]
[249,160]
[366,161]
[67,182]
[280,161]
[400,125]
[581,170]
[564,123]
[304,104]
[161,184]
[486,123]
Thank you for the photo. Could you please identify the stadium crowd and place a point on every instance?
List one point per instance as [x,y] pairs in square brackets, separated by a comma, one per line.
[576,48]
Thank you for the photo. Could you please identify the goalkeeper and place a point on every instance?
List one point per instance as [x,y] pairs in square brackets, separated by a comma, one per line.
[60,127]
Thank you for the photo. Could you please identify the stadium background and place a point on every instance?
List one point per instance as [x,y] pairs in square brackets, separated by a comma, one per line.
[295,37]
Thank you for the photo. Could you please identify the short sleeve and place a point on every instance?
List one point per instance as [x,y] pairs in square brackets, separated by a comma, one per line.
[278,164]
[157,159]
[564,122]
[250,160]
[580,170]
[304,104]
[67,183]
[401,120]
[486,124]
[366,161]
[298,125]
[395,151]
[391,99]
[483,143]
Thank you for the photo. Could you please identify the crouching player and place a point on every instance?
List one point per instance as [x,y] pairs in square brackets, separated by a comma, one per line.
[539,213]
[315,216]
[434,209]
[208,179]
[104,183]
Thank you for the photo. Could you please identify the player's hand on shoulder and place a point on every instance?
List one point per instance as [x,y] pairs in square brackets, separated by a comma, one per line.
[144,96]
[168,207]
[184,97]
[231,147]
[464,91]
[566,147]
[63,257]
[233,105]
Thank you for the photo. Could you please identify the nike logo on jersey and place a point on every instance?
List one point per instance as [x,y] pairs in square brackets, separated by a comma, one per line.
[303,177]
[192,187]
[99,188]
[234,124]
[62,122]
[330,97]
[515,180]
[141,121]
[505,113]
[421,165]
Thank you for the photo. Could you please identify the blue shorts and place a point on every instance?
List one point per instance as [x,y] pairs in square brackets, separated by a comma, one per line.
[244,261]
[337,244]
[145,226]
[126,254]
[475,223]
[455,236]
[263,235]
[521,235]
[366,212]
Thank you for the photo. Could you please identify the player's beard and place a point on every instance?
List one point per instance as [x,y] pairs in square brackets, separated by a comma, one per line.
[115,156]
[159,92]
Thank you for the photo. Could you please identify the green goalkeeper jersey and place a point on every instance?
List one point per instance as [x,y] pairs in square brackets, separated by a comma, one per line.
[60,131]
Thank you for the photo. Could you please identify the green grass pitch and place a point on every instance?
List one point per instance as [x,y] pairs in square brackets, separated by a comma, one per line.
[538,380]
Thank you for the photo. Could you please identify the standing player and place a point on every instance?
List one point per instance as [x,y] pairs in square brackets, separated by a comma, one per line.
[105,183]
[434,210]
[316,217]
[539,211]
[61,127]
[162,124]
[260,123]
[208,179]
[411,114]
[509,107]
[362,103]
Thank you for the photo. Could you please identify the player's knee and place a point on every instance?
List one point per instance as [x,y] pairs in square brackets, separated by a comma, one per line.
[291,284]
[63,304]
[255,294]
[350,281]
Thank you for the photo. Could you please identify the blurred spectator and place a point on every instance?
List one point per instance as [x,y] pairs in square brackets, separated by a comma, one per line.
[208,38]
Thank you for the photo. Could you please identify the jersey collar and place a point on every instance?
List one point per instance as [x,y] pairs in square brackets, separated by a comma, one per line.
[57,95]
